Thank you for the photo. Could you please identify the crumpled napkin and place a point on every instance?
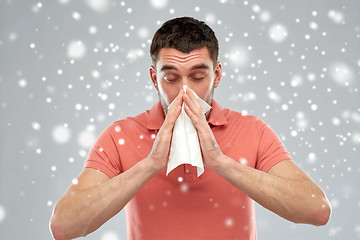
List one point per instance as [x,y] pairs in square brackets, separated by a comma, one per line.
[185,145]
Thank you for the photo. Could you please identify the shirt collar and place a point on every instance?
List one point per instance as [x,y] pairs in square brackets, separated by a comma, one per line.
[155,117]
[217,114]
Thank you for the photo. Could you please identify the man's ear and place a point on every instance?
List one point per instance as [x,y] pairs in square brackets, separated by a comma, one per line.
[218,74]
[152,72]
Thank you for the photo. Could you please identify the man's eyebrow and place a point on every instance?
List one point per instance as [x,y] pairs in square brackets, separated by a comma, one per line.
[171,67]
[200,66]
[167,67]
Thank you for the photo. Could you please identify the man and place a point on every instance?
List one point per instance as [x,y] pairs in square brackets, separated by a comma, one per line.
[244,160]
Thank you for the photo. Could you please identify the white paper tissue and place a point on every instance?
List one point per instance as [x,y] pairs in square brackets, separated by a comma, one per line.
[185,146]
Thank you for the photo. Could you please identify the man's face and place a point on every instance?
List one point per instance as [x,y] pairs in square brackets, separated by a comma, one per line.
[175,69]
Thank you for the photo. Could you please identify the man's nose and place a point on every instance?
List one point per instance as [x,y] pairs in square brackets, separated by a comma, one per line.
[184,81]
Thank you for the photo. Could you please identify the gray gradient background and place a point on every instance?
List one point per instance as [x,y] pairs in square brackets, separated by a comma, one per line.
[320,125]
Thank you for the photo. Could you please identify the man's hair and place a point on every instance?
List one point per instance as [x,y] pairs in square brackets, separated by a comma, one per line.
[184,34]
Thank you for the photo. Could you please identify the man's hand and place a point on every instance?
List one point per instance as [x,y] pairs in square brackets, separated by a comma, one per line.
[210,150]
[159,153]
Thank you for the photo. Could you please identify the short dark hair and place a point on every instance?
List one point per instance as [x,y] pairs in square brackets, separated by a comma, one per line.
[184,34]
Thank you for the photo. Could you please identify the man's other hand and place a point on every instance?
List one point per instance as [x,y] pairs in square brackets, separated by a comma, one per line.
[159,153]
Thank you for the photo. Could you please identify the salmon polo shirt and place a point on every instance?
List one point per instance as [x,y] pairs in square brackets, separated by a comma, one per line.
[182,205]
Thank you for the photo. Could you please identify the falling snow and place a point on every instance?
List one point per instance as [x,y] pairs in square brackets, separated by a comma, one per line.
[61,134]
[2,214]
[71,68]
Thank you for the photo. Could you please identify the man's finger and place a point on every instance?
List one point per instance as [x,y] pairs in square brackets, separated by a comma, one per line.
[174,111]
[192,102]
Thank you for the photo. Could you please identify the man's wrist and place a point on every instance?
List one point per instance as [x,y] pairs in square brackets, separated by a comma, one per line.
[151,166]
[223,163]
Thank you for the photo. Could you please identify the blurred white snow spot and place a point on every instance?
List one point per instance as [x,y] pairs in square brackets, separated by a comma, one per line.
[111,106]
[278,33]
[22,83]
[284,107]
[341,73]
[95,74]
[75,181]
[238,56]
[296,81]
[134,54]
[109,236]
[184,187]
[82,153]
[229,222]
[243,161]
[76,49]
[357,228]
[78,106]
[336,16]
[334,231]
[93,30]
[314,26]
[314,107]
[86,138]
[149,98]
[76,16]
[36,126]
[121,141]
[264,16]
[117,129]
[12,37]
[274,96]
[210,18]
[334,203]
[143,33]
[336,121]
[2,213]
[99,5]
[355,116]
[256,8]
[61,134]
[103,96]
[356,137]
[250,96]
[312,158]
[64,1]
[301,121]
[294,133]
[158,4]
[311,77]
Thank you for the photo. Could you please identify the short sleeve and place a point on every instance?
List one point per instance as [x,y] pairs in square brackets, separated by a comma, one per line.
[104,155]
[271,150]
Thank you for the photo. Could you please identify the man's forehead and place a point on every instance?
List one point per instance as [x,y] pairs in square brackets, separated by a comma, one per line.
[169,58]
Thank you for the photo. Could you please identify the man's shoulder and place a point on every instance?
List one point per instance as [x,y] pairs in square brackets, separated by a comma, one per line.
[127,124]
[140,119]
[234,116]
